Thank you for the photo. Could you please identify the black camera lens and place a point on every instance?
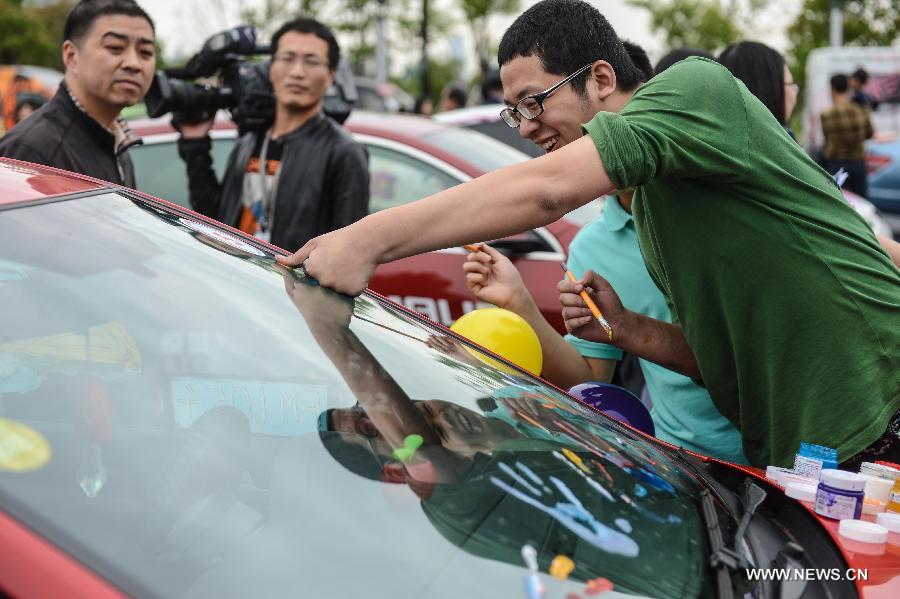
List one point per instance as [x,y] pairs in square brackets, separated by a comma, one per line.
[193,101]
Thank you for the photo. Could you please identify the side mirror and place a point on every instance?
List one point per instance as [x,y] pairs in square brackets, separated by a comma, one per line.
[616,402]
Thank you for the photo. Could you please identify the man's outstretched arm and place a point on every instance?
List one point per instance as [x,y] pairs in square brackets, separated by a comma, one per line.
[500,203]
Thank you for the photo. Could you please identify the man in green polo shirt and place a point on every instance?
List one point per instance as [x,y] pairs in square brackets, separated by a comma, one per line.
[683,413]
[783,303]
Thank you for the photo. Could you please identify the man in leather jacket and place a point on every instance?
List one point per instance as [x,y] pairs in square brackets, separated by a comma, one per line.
[110,58]
[306,175]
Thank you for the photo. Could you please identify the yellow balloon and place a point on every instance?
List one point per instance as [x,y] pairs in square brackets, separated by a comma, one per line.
[506,334]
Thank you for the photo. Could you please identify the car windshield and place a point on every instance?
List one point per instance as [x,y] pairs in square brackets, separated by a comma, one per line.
[475,148]
[189,419]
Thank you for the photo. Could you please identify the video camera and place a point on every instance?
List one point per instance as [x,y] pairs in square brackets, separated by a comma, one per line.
[245,90]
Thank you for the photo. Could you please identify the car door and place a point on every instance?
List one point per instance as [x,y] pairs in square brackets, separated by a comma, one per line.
[433,283]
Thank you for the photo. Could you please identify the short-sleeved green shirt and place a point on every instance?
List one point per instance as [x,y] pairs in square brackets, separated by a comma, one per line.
[784,294]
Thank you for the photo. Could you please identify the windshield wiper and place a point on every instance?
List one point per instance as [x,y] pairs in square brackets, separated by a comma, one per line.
[720,556]
[724,559]
[753,498]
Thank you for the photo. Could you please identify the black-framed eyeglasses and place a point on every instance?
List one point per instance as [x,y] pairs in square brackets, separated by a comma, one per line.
[531,107]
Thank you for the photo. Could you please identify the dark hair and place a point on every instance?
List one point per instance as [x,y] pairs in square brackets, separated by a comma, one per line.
[458,95]
[679,54]
[566,35]
[29,99]
[420,104]
[491,83]
[840,84]
[82,16]
[762,70]
[317,28]
[860,75]
[356,458]
[640,59]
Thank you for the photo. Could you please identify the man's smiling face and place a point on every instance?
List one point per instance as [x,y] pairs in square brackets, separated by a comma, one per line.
[564,111]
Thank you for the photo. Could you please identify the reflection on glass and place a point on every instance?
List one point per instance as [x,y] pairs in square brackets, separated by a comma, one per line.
[525,467]
[222,427]
[91,471]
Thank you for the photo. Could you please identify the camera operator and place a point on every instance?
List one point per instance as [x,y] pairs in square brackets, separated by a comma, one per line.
[306,175]
[110,58]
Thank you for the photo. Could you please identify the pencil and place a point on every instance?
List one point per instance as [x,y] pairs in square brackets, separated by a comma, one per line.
[530,420]
[590,304]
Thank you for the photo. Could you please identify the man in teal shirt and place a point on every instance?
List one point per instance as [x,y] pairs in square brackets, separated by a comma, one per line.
[783,303]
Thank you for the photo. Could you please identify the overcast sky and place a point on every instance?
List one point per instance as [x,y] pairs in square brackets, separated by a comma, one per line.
[184,24]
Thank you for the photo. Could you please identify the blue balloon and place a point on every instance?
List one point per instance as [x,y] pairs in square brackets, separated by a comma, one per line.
[616,402]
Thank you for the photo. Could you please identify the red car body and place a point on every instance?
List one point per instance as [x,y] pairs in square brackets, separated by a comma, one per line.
[30,566]
[433,283]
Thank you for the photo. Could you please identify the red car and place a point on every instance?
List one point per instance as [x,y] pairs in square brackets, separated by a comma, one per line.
[181,417]
[409,158]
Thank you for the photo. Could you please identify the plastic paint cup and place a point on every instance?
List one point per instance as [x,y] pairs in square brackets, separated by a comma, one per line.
[840,495]
[889,521]
[796,478]
[863,532]
[805,492]
[877,470]
[860,548]
[894,499]
[878,488]
[872,507]
[775,474]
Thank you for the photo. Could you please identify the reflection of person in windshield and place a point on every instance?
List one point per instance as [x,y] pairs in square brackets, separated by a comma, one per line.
[491,484]
[462,431]
[387,407]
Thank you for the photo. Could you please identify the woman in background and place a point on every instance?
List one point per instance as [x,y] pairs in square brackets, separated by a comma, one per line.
[767,76]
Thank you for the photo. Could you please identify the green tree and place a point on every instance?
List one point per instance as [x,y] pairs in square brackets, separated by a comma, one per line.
[268,17]
[353,21]
[441,73]
[477,13]
[52,19]
[866,23]
[23,39]
[705,24]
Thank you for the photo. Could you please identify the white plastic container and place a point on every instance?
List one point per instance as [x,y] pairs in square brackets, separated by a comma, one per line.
[776,474]
[862,531]
[873,506]
[889,520]
[878,488]
[879,471]
[796,478]
[801,491]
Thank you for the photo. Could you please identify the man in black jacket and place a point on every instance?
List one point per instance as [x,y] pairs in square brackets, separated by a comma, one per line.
[110,58]
[306,175]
